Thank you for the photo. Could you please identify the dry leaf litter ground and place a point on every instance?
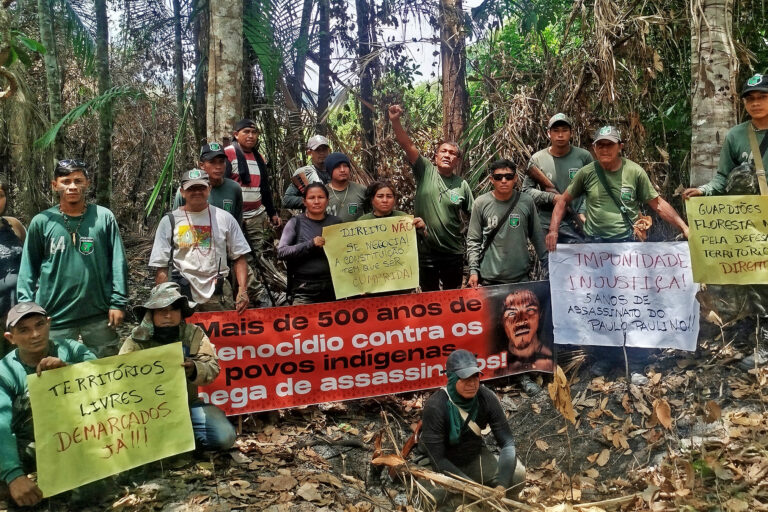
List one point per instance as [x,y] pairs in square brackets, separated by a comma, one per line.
[693,438]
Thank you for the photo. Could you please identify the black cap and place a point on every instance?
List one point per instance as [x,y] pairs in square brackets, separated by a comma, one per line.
[755,83]
[21,310]
[245,123]
[463,363]
[211,151]
[334,160]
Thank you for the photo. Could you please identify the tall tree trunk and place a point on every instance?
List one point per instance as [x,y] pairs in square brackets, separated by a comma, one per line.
[324,66]
[366,66]
[302,48]
[52,75]
[453,57]
[225,68]
[200,34]
[178,59]
[103,176]
[714,68]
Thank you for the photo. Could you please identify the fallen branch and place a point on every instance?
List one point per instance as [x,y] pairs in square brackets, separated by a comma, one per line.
[608,503]
[473,489]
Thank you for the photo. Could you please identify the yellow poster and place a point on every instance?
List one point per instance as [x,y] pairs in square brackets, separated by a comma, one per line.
[372,256]
[101,417]
[729,239]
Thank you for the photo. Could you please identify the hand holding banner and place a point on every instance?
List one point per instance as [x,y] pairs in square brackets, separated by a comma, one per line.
[729,239]
[372,256]
[108,415]
[601,291]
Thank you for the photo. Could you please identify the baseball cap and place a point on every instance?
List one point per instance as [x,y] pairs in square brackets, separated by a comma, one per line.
[194,177]
[559,118]
[211,151]
[757,82]
[608,132]
[245,123]
[463,363]
[21,310]
[316,141]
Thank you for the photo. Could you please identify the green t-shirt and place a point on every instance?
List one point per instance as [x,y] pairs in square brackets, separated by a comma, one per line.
[506,260]
[75,283]
[439,200]
[735,151]
[395,213]
[631,187]
[560,170]
[346,205]
[228,196]
[15,411]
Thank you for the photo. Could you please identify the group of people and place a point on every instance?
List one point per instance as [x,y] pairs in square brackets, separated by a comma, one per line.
[63,293]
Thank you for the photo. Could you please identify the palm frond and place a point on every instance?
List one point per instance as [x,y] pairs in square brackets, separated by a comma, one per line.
[89,106]
[79,30]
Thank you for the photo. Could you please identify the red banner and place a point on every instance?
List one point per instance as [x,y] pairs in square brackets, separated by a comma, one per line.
[299,355]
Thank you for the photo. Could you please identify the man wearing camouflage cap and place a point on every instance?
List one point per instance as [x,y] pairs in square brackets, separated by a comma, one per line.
[193,245]
[225,192]
[27,327]
[614,189]
[318,148]
[162,322]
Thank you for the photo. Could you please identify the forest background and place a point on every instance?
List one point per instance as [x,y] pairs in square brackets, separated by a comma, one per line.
[134,87]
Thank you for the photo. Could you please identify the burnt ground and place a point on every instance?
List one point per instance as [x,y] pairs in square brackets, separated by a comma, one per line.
[694,437]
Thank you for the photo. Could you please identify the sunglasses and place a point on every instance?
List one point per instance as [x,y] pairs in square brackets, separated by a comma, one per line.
[71,164]
[506,176]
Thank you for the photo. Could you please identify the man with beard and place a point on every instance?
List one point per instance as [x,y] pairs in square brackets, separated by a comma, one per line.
[521,317]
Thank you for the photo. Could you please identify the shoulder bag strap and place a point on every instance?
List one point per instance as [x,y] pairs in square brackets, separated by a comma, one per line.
[471,424]
[242,165]
[622,209]
[499,225]
[172,220]
[757,155]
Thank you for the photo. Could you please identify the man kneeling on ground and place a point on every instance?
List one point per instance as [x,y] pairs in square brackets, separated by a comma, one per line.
[451,438]
[27,327]
[162,322]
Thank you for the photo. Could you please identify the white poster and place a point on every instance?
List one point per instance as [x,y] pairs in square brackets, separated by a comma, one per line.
[602,291]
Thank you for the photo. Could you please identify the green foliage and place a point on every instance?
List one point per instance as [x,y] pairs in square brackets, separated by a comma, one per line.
[162,189]
[78,33]
[19,45]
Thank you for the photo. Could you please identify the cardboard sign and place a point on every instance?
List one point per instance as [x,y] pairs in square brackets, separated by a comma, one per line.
[300,355]
[729,239]
[101,417]
[600,292]
[372,256]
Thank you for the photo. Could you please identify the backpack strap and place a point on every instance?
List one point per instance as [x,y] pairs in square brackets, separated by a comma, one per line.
[172,220]
[622,209]
[757,155]
[474,427]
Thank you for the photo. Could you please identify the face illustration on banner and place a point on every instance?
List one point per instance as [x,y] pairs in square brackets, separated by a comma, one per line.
[521,323]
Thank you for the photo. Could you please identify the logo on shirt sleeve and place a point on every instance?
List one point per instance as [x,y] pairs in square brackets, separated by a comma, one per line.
[572,172]
[86,245]
[514,220]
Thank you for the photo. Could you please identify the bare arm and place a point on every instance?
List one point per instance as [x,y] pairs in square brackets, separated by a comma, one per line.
[411,152]
[666,212]
[161,275]
[557,216]
[241,275]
